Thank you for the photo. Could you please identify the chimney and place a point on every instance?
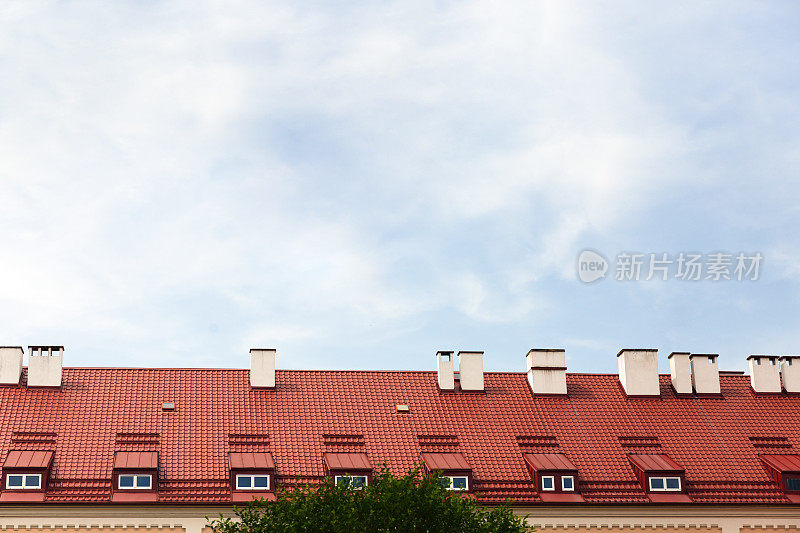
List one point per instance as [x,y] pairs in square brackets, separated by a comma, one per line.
[444,367]
[764,373]
[681,372]
[705,373]
[44,366]
[262,368]
[470,370]
[10,365]
[547,371]
[638,372]
[790,372]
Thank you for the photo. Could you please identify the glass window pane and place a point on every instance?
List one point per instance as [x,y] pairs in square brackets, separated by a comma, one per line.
[261,482]
[32,481]
[445,482]
[14,481]
[673,483]
[548,482]
[793,483]
[358,481]
[656,483]
[460,483]
[126,482]
[243,482]
[342,481]
[567,483]
[143,482]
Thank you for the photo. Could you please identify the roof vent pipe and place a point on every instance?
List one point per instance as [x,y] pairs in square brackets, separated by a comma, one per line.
[547,371]
[444,368]
[790,372]
[705,373]
[638,372]
[764,373]
[44,366]
[470,369]
[262,368]
[10,364]
[680,372]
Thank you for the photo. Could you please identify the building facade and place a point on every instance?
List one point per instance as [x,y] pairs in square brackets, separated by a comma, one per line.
[106,449]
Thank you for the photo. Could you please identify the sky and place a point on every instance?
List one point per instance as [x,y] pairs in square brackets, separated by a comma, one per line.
[361,184]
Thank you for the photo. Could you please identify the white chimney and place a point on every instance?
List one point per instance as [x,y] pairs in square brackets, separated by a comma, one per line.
[764,373]
[547,371]
[44,366]
[638,372]
[262,368]
[705,373]
[470,370]
[10,365]
[444,367]
[790,372]
[681,372]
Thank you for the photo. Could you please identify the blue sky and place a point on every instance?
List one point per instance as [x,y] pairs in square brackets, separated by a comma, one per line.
[362,184]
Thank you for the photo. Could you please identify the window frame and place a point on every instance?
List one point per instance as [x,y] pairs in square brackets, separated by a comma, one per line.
[252,486]
[552,479]
[451,477]
[135,477]
[572,483]
[664,479]
[337,477]
[786,479]
[24,476]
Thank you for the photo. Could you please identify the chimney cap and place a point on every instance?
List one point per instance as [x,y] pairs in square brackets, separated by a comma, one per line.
[789,357]
[679,353]
[703,355]
[263,349]
[636,350]
[7,347]
[38,346]
[757,356]
[547,350]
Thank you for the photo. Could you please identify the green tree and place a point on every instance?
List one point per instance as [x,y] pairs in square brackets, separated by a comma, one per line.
[413,503]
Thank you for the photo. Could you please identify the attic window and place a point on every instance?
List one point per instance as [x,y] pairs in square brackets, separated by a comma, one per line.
[455,482]
[24,481]
[555,476]
[793,483]
[664,483]
[135,482]
[352,482]
[784,469]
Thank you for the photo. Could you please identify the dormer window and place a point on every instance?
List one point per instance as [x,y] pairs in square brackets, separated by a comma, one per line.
[784,469]
[555,475]
[135,476]
[136,482]
[24,481]
[351,470]
[352,482]
[455,471]
[25,474]
[662,479]
[664,483]
[252,475]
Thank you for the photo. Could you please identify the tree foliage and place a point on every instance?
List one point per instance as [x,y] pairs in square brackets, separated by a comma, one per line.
[413,503]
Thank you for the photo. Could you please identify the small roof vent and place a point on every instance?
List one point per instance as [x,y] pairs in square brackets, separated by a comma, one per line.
[168,406]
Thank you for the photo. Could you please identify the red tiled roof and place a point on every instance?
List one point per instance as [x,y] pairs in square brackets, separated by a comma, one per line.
[133,460]
[549,461]
[655,462]
[783,463]
[445,461]
[100,411]
[253,460]
[347,461]
[28,459]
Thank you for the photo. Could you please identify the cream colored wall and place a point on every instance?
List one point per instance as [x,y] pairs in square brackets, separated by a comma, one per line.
[546,519]
[665,518]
